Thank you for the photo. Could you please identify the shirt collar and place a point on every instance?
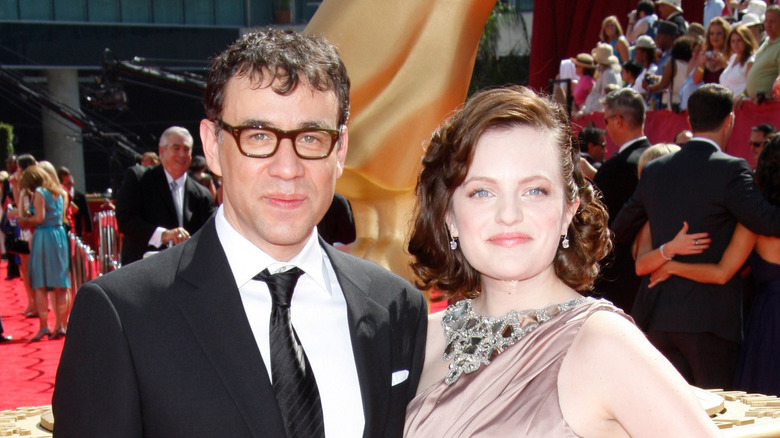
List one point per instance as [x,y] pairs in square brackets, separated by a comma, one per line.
[706,140]
[179,181]
[630,142]
[247,260]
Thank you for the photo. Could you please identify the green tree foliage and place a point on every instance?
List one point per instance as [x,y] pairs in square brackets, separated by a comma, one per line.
[6,142]
[490,70]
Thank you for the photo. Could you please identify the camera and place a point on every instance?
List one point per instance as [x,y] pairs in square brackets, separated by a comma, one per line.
[708,54]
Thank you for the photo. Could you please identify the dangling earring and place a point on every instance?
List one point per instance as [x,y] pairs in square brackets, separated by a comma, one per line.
[565,240]
[453,243]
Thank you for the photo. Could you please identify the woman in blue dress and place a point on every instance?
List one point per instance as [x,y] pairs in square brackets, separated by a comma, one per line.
[48,265]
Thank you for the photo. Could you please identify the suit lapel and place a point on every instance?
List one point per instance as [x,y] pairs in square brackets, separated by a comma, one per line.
[369,329]
[210,302]
[189,189]
[164,191]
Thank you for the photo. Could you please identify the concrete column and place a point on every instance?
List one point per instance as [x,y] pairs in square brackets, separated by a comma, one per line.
[62,143]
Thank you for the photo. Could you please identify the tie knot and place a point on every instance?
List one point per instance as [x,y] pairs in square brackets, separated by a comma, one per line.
[281,285]
[174,185]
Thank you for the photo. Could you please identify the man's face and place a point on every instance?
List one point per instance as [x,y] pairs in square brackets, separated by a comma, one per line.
[275,202]
[176,156]
[772,25]
[664,41]
[664,10]
[67,182]
[597,150]
[757,141]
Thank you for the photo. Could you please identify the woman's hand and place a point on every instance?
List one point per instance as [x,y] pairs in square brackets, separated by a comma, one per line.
[659,275]
[687,244]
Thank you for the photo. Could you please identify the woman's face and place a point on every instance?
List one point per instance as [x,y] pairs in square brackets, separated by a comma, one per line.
[610,30]
[717,36]
[737,45]
[510,211]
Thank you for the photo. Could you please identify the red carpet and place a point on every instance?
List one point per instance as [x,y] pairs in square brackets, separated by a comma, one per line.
[27,369]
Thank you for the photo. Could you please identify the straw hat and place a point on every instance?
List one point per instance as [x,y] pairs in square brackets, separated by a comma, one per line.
[584,60]
[676,4]
[696,29]
[603,54]
[644,42]
[750,19]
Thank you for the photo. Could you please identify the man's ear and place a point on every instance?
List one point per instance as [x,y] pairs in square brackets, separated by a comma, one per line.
[208,138]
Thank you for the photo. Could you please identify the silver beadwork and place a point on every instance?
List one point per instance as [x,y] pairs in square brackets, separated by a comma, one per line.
[454,243]
[473,340]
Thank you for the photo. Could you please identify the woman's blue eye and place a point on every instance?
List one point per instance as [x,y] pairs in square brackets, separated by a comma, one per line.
[480,193]
[537,191]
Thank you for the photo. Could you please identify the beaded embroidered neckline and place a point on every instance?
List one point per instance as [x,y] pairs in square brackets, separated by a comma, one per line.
[473,340]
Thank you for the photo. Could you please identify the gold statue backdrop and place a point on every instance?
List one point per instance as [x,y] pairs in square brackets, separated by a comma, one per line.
[410,63]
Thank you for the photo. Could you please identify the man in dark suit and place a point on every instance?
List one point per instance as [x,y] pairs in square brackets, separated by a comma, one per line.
[624,115]
[160,206]
[697,326]
[81,219]
[186,342]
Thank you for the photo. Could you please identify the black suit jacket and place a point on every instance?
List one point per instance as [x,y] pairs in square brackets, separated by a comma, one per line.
[82,219]
[144,202]
[163,348]
[617,179]
[712,191]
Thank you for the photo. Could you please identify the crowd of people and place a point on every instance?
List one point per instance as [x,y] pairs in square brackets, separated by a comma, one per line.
[666,59]
[40,206]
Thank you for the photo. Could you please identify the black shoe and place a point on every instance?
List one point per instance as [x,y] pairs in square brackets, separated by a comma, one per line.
[4,338]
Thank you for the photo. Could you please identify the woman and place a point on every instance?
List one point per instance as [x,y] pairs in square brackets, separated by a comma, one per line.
[505,219]
[612,34]
[23,199]
[674,74]
[714,58]
[760,355]
[645,55]
[48,265]
[586,69]
[609,74]
[743,47]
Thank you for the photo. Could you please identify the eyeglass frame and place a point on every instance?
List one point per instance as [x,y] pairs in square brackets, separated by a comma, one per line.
[281,134]
[758,144]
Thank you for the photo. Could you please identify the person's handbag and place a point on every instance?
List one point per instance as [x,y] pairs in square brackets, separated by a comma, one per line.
[13,243]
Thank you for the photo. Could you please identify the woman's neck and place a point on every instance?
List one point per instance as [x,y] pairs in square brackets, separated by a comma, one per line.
[498,297]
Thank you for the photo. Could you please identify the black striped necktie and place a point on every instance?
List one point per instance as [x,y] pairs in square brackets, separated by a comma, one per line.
[293,379]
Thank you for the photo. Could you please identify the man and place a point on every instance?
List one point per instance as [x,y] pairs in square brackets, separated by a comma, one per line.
[641,21]
[592,145]
[624,115]
[671,11]
[712,9]
[160,206]
[79,217]
[767,64]
[182,344]
[759,138]
[683,137]
[697,326]
[664,40]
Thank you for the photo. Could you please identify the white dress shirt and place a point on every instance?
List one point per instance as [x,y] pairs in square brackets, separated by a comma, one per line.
[156,239]
[319,316]
[630,142]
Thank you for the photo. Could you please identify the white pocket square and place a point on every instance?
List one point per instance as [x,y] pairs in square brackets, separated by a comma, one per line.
[400,376]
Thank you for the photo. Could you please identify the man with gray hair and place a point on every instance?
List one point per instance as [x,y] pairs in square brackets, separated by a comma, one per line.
[624,116]
[160,206]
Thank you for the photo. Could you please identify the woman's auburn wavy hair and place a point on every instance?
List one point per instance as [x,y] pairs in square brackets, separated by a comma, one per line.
[448,156]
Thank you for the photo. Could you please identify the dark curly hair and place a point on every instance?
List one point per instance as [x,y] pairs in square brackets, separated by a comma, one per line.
[284,55]
[768,170]
[446,163]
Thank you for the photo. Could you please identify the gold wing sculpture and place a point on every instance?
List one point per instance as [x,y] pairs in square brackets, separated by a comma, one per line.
[410,64]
